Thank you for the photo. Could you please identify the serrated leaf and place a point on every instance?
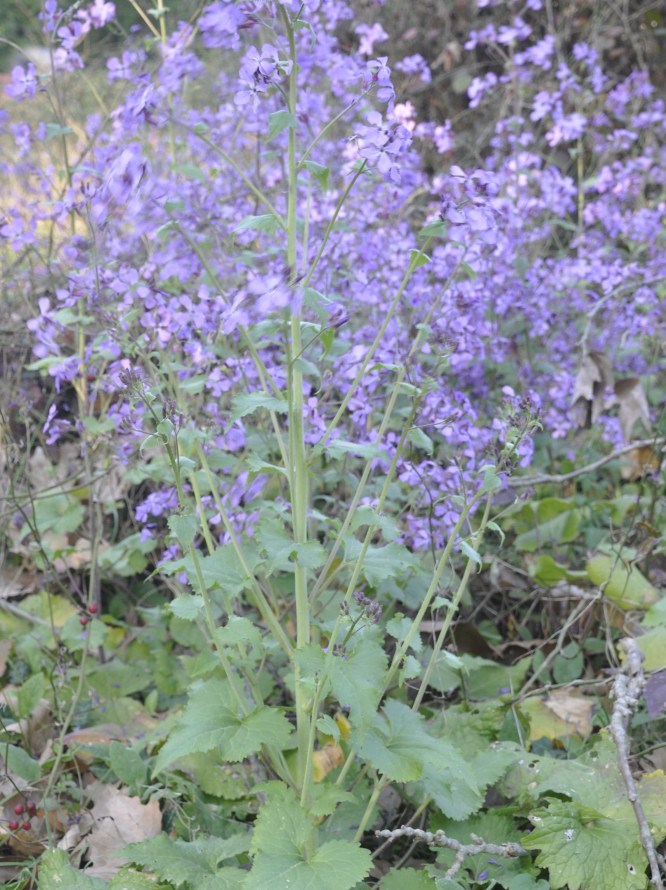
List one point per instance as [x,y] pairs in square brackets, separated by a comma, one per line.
[279,121]
[194,863]
[212,720]
[187,606]
[55,873]
[584,850]
[381,563]
[127,764]
[262,222]
[184,528]
[279,844]
[357,681]
[398,745]
[249,402]
[407,879]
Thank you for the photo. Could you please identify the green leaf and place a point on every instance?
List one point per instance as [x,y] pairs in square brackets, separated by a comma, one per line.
[471,553]
[421,440]
[195,863]
[127,764]
[329,727]
[546,571]
[398,745]
[553,521]
[212,720]
[494,828]
[221,569]
[263,222]
[279,121]
[249,402]
[60,512]
[581,848]
[128,879]
[623,584]
[358,681]
[491,481]
[340,448]
[55,873]
[185,529]
[29,695]
[319,172]
[407,879]
[433,229]
[187,606]
[417,258]
[18,761]
[282,553]
[382,562]
[279,844]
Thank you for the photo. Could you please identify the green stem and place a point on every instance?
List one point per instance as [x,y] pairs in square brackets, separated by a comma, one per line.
[297,466]
[258,596]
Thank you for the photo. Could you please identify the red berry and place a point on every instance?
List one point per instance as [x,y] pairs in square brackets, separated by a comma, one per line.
[26,826]
[19,809]
[13,825]
[93,608]
[32,807]
[84,620]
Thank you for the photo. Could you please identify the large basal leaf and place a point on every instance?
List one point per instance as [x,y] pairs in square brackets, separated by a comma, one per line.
[280,842]
[196,863]
[358,681]
[55,873]
[584,850]
[212,720]
[398,745]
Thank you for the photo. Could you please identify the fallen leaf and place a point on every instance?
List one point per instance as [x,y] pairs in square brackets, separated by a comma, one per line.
[655,693]
[559,715]
[325,760]
[118,820]
[639,462]
[594,377]
[633,406]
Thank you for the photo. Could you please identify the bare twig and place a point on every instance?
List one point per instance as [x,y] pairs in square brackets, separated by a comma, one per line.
[524,481]
[627,691]
[439,839]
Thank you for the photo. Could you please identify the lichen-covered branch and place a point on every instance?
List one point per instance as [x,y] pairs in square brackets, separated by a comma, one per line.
[439,839]
[627,691]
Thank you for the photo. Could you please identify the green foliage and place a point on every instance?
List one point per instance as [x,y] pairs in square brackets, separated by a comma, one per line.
[193,865]
[212,720]
[284,852]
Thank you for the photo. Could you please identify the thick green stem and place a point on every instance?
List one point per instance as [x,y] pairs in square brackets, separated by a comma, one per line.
[297,467]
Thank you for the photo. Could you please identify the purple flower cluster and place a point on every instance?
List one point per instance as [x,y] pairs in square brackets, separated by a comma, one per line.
[175,258]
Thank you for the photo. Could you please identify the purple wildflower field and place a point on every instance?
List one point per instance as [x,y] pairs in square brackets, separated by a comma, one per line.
[333,457]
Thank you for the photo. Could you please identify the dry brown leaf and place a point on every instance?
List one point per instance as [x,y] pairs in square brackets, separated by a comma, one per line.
[633,406]
[575,710]
[594,377]
[119,820]
[325,760]
[17,582]
[638,463]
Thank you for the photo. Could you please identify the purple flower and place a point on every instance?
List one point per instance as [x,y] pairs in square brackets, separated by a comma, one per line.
[24,82]
[219,24]
[370,34]
[378,74]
